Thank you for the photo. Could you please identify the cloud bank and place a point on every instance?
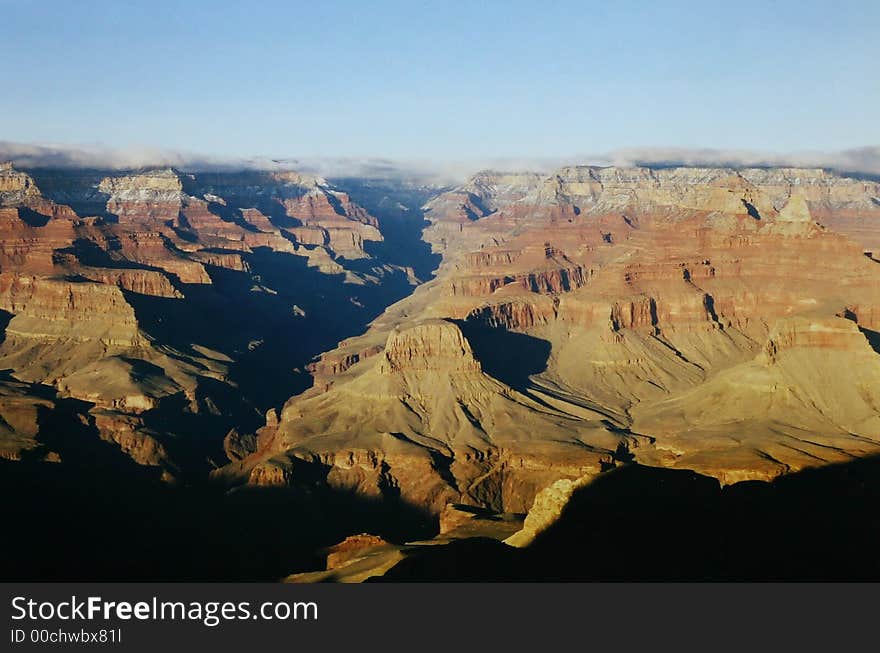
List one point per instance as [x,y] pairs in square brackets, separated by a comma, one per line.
[100,157]
[863,161]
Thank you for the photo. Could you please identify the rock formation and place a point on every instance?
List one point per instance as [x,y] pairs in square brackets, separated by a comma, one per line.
[113,283]
[711,319]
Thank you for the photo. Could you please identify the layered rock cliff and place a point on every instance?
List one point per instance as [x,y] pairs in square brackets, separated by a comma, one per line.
[713,319]
[154,294]
[683,317]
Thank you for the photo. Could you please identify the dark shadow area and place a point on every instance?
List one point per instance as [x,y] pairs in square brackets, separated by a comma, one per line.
[243,190]
[751,210]
[474,560]
[482,210]
[194,440]
[230,214]
[77,188]
[330,310]
[872,337]
[98,516]
[5,318]
[856,174]
[35,390]
[635,523]
[508,356]
[709,305]
[68,522]
[638,523]
[397,205]
[182,229]
[91,254]
[31,218]
[271,322]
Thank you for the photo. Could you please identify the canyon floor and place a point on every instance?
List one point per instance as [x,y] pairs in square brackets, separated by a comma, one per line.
[593,374]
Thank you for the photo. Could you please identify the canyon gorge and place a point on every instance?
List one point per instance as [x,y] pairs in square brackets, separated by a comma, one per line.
[237,369]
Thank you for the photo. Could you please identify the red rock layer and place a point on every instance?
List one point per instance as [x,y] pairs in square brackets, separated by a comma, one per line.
[657,293]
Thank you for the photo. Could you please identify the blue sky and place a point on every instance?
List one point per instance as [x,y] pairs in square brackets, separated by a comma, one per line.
[444,80]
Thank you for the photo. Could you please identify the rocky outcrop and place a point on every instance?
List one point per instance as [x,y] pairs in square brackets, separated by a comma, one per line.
[20,411]
[144,282]
[805,333]
[518,314]
[50,310]
[144,197]
[481,196]
[302,208]
[431,345]
[337,362]
[795,218]
[31,241]
[350,548]
[546,510]
[16,187]
[134,438]
[237,445]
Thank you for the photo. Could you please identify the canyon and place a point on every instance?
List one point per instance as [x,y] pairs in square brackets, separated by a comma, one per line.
[170,309]
[359,355]
[715,320]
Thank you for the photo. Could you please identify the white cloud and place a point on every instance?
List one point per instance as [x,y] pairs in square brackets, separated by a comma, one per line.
[864,160]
